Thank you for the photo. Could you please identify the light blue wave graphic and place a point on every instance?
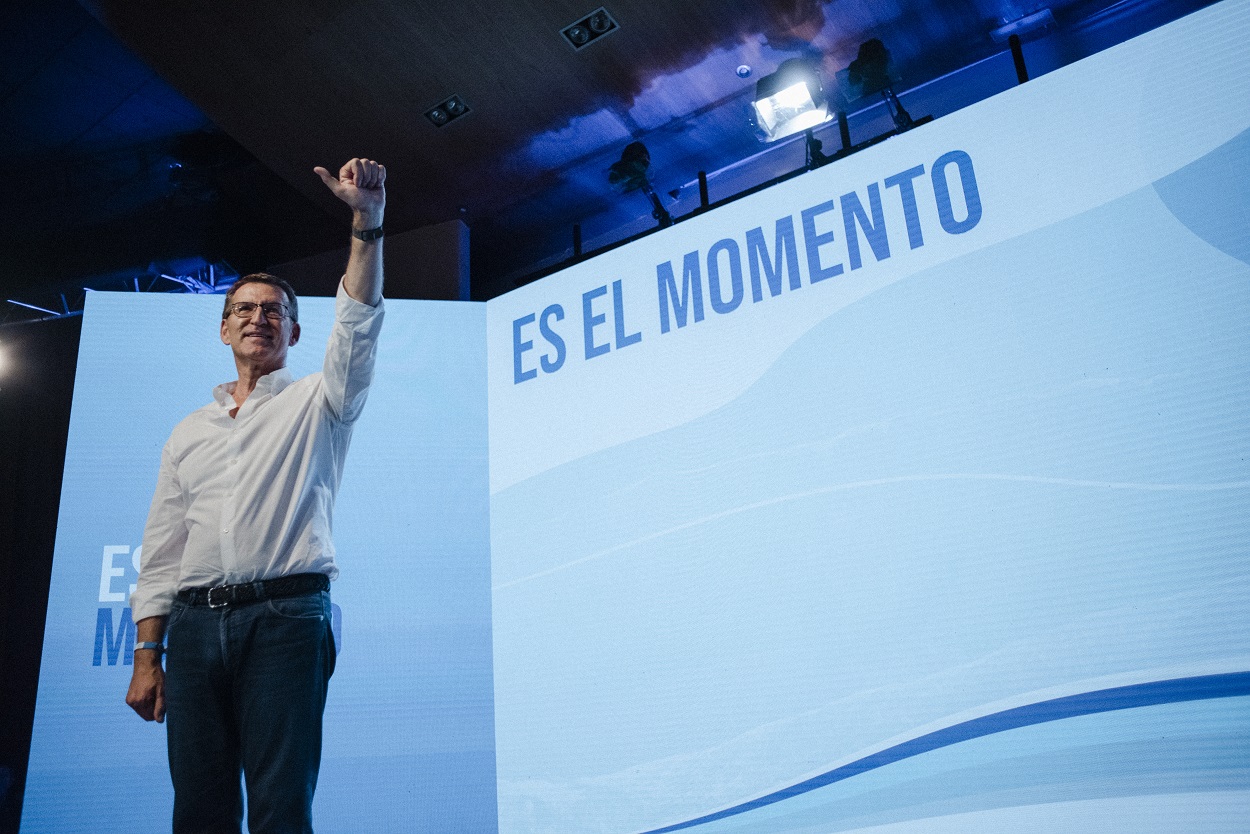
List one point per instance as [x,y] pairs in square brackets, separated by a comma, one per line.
[1211,196]
[1152,693]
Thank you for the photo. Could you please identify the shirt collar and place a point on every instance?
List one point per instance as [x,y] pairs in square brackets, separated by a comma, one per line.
[269,385]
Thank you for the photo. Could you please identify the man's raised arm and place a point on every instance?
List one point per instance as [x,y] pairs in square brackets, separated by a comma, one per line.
[361,183]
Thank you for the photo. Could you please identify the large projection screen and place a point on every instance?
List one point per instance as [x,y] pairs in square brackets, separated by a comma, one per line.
[912,488]
[909,494]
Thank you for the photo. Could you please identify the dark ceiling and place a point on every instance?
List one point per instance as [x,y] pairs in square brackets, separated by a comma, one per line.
[139,131]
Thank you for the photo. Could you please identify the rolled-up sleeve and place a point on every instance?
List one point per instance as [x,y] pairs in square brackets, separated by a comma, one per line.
[350,355]
[164,537]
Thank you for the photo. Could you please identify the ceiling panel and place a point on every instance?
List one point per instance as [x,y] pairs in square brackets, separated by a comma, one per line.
[215,111]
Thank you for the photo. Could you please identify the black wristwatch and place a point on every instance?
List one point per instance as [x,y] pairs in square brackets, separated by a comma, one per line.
[368,234]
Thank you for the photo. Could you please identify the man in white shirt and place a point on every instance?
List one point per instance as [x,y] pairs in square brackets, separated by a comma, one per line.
[237,556]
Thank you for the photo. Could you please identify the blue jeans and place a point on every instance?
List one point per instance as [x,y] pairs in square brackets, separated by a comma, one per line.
[245,688]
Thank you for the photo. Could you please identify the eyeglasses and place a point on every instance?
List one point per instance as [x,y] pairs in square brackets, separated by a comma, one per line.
[273,310]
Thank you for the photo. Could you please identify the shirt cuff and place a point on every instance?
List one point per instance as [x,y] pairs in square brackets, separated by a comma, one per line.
[144,605]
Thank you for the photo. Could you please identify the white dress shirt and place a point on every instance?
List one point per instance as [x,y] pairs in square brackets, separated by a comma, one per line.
[252,497]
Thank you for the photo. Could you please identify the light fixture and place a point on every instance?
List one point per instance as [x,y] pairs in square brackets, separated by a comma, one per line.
[452,108]
[789,101]
[1031,25]
[870,73]
[1015,32]
[629,173]
[601,22]
[590,28]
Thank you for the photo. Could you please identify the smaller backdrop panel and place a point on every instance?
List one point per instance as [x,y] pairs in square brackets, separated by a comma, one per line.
[409,725]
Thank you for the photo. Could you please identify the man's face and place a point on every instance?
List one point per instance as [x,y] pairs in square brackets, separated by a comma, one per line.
[255,340]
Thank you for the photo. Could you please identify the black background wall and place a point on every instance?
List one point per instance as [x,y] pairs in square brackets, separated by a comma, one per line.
[36,389]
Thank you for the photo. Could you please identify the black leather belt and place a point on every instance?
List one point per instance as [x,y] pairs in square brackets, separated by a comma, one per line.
[297,584]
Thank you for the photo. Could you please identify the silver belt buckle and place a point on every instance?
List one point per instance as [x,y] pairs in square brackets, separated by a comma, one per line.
[210,597]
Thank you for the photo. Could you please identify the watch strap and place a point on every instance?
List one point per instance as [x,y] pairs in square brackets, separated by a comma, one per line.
[148,644]
[367,234]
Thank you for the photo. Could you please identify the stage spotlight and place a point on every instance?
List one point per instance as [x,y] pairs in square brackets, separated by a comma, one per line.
[870,73]
[1030,26]
[789,101]
[629,173]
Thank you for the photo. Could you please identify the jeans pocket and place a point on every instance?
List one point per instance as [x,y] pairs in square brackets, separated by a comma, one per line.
[175,614]
[308,607]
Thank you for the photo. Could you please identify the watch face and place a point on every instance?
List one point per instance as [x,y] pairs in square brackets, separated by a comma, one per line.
[368,234]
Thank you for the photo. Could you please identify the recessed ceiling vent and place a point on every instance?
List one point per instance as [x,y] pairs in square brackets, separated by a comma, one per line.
[590,28]
[448,111]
